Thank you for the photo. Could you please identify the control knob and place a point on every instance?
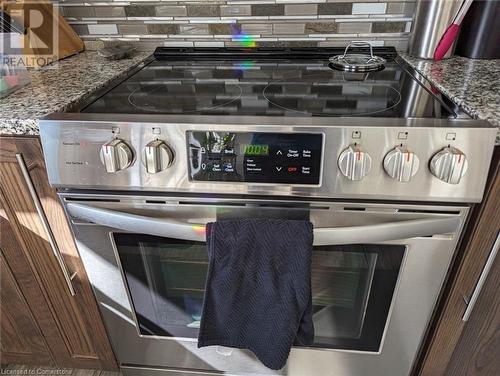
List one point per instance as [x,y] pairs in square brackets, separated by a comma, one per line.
[449,165]
[158,156]
[354,163]
[401,164]
[116,155]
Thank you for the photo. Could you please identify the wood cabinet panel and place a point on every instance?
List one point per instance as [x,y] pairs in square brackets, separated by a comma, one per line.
[478,350]
[14,250]
[83,340]
[20,339]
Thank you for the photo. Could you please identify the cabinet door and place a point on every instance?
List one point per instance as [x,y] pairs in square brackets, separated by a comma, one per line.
[21,340]
[478,350]
[76,333]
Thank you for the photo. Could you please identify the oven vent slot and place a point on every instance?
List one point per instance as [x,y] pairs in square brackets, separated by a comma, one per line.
[292,206]
[75,199]
[351,208]
[162,202]
[211,203]
[451,212]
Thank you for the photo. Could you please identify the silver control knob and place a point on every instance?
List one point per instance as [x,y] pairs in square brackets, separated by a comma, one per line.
[401,164]
[116,155]
[354,163]
[449,165]
[157,156]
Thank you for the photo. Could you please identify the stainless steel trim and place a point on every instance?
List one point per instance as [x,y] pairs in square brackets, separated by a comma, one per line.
[482,279]
[72,155]
[45,223]
[125,283]
[322,236]
[145,371]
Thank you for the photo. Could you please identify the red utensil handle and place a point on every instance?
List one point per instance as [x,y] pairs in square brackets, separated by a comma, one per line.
[446,42]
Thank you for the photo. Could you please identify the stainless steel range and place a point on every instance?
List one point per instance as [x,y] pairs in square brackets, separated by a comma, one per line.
[383,164]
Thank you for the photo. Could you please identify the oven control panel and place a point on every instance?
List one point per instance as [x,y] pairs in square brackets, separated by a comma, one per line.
[255,157]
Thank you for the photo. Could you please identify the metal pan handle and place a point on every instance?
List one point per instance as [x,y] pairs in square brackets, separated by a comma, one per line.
[322,236]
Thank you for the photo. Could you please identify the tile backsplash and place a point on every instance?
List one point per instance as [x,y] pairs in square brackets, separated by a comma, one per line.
[266,23]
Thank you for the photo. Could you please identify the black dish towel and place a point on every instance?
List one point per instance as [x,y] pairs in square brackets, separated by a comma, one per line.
[258,289]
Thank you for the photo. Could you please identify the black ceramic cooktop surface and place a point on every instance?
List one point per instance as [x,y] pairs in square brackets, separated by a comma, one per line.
[269,87]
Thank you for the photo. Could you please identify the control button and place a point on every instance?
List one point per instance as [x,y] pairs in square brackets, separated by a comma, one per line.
[449,165]
[306,170]
[216,167]
[451,136]
[279,152]
[279,168]
[356,134]
[401,164]
[216,148]
[157,156]
[354,163]
[250,163]
[228,167]
[203,150]
[306,153]
[229,151]
[292,153]
[402,135]
[203,166]
[156,130]
[292,170]
[253,169]
[116,155]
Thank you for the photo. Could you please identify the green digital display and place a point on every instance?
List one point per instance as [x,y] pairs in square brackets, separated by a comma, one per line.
[261,150]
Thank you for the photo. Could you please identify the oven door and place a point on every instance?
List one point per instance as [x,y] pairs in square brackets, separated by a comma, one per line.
[376,273]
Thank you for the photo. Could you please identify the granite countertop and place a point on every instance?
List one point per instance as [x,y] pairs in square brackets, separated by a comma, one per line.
[473,84]
[57,87]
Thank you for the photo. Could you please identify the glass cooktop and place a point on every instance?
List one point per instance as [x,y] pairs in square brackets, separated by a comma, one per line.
[269,87]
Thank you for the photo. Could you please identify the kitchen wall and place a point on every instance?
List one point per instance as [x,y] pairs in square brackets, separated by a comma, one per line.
[268,23]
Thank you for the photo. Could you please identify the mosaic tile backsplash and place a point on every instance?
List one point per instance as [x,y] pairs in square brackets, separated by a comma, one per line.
[248,23]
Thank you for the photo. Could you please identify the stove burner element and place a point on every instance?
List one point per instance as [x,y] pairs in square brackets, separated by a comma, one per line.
[181,97]
[326,94]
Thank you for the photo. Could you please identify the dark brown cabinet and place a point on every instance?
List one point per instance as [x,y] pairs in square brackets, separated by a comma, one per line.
[478,350]
[22,341]
[59,322]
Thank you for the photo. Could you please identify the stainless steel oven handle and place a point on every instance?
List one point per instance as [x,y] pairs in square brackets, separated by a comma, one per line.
[322,236]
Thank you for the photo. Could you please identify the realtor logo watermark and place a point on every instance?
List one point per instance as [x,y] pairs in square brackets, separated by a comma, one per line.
[31,33]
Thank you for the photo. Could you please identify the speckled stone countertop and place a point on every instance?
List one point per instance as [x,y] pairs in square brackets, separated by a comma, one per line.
[472,84]
[57,87]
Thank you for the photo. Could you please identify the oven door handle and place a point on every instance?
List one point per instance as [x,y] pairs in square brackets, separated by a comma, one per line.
[322,236]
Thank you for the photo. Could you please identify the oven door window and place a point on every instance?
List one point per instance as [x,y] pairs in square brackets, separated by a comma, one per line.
[352,288]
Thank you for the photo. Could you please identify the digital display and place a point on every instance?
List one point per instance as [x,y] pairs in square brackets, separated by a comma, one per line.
[254,157]
[257,150]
